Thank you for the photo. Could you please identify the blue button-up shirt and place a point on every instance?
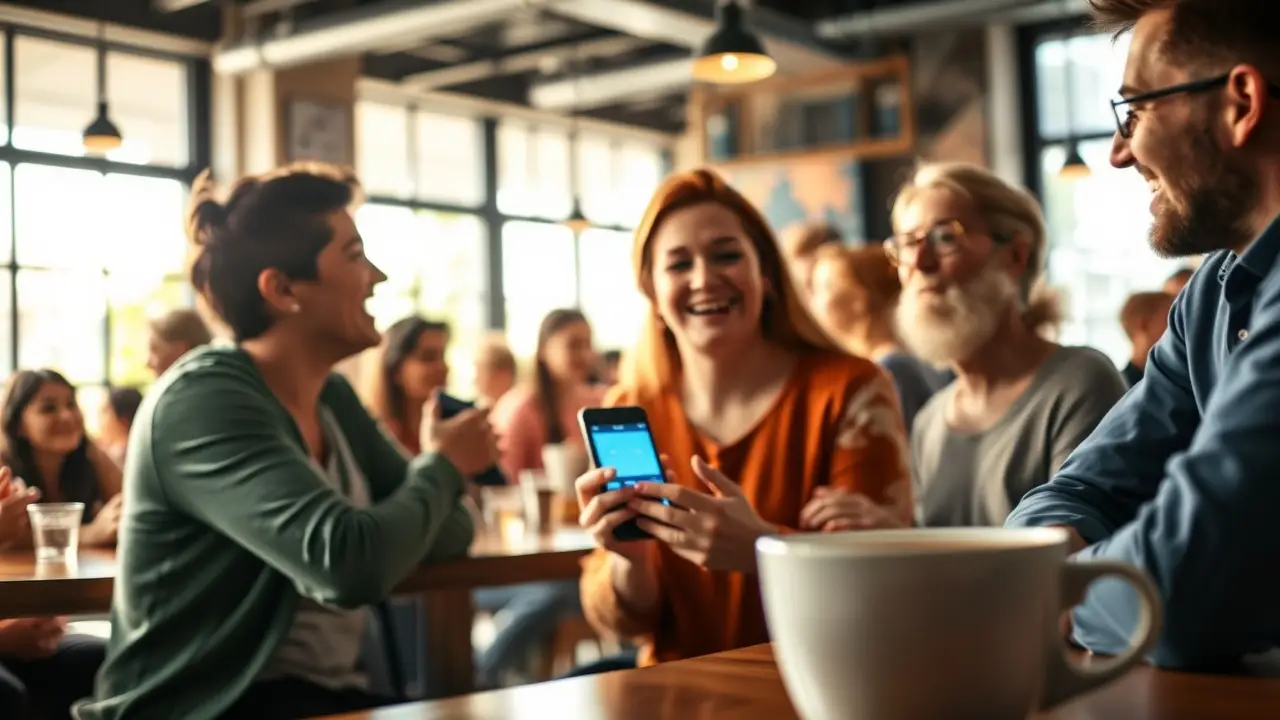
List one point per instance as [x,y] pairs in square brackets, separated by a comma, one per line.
[1182,477]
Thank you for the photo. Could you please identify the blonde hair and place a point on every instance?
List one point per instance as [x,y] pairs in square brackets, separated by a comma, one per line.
[1010,212]
[655,360]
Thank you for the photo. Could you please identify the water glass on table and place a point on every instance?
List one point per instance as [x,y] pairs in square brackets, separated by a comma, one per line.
[55,530]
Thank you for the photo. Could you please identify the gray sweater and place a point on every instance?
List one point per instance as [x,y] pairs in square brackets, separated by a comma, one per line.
[964,478]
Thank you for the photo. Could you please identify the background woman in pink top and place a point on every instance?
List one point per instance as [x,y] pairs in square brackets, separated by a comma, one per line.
[541,412]
[545,411]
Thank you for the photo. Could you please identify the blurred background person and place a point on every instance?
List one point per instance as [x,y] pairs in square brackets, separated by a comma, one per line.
[855,294]
[800,246]
[1144,317]
[115,417]
[495,370]
[43,441]
[409,368]
[1175,282]
[171,335]
[610,361]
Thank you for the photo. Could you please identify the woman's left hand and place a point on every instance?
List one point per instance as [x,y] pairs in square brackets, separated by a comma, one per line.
[716,531]
[833,510]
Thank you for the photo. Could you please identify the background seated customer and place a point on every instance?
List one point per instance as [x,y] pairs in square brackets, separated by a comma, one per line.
[758,411]
[173,334]
[495,370]
[970,249]
[855,294]
[527,418]
[1144,317]
[410,368]
[800,249]
[115,417]
[42,669]
[1182,478]
[265,505]
[43,441]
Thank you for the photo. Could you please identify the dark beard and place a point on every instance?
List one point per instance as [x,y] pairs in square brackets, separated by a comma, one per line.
[1219,199]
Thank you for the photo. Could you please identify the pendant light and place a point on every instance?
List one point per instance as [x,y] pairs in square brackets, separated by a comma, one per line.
[577,220]
[1075,168]
[102,135]
[733,55]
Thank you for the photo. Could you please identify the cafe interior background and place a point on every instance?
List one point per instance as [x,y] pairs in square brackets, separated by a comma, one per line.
[507,147]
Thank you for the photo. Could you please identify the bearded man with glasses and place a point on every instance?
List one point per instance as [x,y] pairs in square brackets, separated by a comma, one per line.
[1182,478]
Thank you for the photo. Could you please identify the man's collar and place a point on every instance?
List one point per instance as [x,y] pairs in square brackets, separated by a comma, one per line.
[1261,254]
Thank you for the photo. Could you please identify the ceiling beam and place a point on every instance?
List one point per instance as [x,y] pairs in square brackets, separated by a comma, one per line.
[522,62]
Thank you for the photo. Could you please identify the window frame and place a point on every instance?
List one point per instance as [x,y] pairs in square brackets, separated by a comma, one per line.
[198,138]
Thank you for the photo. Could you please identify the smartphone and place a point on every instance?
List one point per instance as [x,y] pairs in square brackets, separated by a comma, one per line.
[620,438]
[451,406]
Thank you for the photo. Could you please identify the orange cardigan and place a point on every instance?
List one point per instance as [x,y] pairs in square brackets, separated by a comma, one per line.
[837,422]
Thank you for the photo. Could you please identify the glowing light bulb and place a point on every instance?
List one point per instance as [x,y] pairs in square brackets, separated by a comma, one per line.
[729,62]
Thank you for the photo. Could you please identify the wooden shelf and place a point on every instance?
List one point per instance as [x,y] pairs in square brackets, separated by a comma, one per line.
[857,111]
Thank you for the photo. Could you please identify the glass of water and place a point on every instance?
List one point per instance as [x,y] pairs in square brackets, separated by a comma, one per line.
[55,530]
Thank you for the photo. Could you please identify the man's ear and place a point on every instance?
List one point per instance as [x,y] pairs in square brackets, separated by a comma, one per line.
[1247,98]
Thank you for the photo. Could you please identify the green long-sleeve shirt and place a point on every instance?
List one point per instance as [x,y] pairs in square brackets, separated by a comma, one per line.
[228,522]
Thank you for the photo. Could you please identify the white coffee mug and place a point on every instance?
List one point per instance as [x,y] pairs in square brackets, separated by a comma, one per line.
[945,623]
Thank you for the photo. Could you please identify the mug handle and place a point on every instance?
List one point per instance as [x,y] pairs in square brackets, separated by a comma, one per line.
[1064,678]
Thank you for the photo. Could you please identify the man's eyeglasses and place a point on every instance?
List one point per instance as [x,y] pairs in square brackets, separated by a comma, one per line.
[1124,123]
[943,240]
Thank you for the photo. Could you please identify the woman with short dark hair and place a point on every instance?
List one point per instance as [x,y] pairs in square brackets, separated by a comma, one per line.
[266,508]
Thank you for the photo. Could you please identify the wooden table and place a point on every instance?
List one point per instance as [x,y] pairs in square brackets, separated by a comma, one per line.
[745,685]
[28,589]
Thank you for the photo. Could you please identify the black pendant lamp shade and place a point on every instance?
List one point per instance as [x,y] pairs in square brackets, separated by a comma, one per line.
[102,135]
[1075,167]
[733,55]
[577,222]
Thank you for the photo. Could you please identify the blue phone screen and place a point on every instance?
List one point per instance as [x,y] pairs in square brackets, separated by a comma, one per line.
[628,449]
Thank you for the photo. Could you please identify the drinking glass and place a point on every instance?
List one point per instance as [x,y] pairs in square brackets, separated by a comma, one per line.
[55,530]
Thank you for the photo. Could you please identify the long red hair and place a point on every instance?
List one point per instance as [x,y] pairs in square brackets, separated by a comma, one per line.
[655,360]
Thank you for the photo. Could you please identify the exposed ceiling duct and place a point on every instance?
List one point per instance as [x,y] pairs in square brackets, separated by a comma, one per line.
[367,28]
[906,19]
[595,90]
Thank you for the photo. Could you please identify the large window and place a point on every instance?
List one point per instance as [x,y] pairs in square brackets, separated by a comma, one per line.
[90,247]
[434,263]
[540,276]
[425,174]
[1098,225]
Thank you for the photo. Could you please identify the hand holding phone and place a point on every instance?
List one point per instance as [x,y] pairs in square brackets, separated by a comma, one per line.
[465,437]
[620,444]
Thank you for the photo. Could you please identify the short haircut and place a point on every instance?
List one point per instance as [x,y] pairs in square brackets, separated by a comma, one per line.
[1212,34]
[496,354]
[1140,307]
[183,326]
[276,220]
[806,240]
[124,402]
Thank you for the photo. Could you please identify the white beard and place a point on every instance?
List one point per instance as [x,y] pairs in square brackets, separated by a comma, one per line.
[948,328]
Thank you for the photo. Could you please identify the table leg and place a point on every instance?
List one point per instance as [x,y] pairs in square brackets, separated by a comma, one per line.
[448,616]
